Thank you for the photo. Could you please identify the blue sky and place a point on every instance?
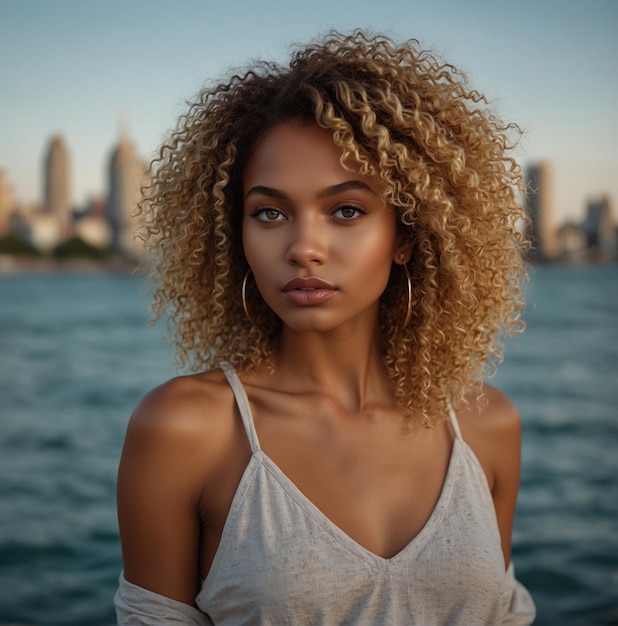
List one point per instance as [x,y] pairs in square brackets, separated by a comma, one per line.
[79,66]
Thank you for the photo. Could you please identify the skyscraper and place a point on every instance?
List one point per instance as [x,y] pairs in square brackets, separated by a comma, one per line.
[600,228]
[541,211]
[57,184]
[126,176]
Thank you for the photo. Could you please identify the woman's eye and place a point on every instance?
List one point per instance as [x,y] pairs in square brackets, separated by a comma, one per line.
[347,212]
[268,215]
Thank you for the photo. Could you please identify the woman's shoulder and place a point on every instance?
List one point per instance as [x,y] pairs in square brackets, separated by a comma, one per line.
[492,414]
[183,439]
[184,402]
[193,413]
[491,426]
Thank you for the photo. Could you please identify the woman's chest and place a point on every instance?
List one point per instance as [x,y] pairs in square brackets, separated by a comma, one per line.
[378,486]
[379,489]
[281,555]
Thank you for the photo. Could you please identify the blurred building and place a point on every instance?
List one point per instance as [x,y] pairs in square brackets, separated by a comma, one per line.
[94,230]
[6,203]
[540,208]
[43,230]
[126,177]
[97,207]
[599,228]
[92,225]
[572,241]
[57,200]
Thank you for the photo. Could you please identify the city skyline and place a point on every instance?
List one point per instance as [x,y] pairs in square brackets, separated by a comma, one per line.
[57,142]
[105,223]
[110,223]
[76,68]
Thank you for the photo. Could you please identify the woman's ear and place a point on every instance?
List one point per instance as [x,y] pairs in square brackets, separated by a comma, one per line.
[403,251]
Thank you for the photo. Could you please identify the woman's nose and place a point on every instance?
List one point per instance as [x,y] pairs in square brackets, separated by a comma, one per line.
[308,244]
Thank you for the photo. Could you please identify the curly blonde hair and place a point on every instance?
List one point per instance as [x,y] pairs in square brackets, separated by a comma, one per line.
[443,157]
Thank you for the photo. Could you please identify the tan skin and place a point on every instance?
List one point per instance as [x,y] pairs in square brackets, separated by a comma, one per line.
[328,416]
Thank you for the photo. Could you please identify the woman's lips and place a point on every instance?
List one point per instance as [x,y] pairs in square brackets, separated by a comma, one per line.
[308,291]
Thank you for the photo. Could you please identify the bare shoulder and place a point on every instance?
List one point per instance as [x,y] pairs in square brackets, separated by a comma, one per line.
[491,426]
[187,418]
[183,405]
[492,415]
[176,448]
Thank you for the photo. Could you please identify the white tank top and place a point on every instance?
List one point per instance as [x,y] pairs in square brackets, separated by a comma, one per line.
[282,561]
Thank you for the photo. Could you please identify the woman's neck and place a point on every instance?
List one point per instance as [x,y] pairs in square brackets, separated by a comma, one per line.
[346,364]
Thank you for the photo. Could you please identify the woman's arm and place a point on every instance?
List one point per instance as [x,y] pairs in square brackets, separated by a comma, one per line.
[160,480]
[492,428]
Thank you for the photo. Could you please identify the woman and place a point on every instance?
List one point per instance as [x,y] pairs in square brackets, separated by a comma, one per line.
[338,254]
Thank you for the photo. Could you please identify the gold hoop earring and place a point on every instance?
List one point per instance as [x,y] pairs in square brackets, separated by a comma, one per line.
[409,285]
[243,295]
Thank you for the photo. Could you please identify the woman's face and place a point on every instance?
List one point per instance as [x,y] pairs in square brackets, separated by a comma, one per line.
[319,238]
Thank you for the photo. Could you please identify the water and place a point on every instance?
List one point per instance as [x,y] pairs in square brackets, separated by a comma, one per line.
[563,375]
[76,355]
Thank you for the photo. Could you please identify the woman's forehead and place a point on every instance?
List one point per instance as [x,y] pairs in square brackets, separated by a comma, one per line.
[298,153]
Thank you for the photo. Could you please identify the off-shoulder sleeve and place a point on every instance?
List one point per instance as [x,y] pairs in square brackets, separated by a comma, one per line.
[136,606]
[519,609]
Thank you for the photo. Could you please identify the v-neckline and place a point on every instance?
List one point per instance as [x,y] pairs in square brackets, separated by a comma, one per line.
[343,538]
[309,508]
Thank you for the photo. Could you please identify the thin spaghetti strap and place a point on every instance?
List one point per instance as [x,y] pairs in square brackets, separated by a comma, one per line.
[243,404]
[453,419]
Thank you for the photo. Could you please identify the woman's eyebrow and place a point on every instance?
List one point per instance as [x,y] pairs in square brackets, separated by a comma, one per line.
[348,185]
[266,191]
[333,190]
